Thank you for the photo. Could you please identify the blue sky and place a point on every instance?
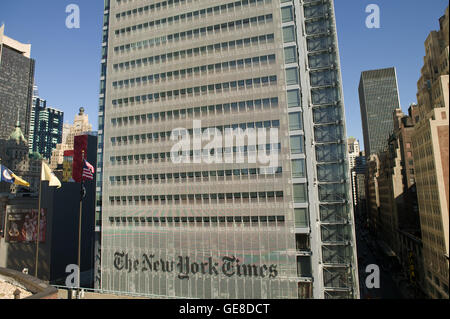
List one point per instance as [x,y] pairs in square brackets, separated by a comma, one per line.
[68,60]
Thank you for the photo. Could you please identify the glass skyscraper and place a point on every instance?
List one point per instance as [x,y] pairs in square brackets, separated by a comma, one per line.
[197,228]
[379,97]
[16,85]
[46,127]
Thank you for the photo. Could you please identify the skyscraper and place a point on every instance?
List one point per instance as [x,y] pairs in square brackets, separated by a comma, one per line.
[430,141]
[46,127]
[16,84]
[216,229]
[378,97]
[353,153]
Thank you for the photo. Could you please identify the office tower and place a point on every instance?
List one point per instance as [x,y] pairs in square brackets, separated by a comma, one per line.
[46,127]
[430,152]
[378,98]
[80,126]
[16,84]
[353,153]
[209,229]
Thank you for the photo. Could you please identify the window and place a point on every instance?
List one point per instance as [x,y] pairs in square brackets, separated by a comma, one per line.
[287,14]
[293,98]
[302,242]
[289,34]
[292,76]
[304,266]
[295,121]
[301,217]
[290,55]
[300,195]
[298,168]
[297,144]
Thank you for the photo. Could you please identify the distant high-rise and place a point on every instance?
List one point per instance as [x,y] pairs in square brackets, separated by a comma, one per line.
[353,153]
[16,85]
[379,97]
[46,127]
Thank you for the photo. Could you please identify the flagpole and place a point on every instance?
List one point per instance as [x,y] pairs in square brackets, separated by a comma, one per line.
[79,228]
[38,225]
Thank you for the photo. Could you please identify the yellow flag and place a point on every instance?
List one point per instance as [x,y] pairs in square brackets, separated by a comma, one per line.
[47,175]
[19,181]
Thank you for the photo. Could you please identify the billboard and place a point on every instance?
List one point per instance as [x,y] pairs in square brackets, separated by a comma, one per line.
[22,225]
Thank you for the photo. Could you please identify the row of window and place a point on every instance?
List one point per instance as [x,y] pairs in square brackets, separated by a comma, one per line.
[162,58]
[176,133]
[197,175]
[195,33]
[273,148]
[242,106]
[212,89]
[300,195]
[185,16]
[298,171]
[198,219]
[218,67]
[158,6]
[197,197]
[168,4]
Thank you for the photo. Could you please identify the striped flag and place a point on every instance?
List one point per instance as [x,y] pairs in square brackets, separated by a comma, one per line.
[88,171]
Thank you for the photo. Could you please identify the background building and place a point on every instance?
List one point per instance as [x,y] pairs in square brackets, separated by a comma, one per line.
[353,153]
[430,147]
[67,166]
[14,155]
[16,85]
[46,127]
[80,126]
[229,64]
[379,97]
[360,171]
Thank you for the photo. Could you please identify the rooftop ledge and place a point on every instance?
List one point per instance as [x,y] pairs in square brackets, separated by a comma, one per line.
[38,288]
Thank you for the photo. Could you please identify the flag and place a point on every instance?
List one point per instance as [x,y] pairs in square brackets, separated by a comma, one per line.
[47,175]
[9,177]
[88,171]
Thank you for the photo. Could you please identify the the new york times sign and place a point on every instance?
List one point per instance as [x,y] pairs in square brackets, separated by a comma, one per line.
[183,267]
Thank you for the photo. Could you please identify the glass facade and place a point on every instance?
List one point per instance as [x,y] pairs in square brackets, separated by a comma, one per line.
[46,128]
[196,229]
[379,97]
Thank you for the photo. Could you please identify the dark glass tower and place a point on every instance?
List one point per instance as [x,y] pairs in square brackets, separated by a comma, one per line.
[16,85]
[46,128]
[379,97]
